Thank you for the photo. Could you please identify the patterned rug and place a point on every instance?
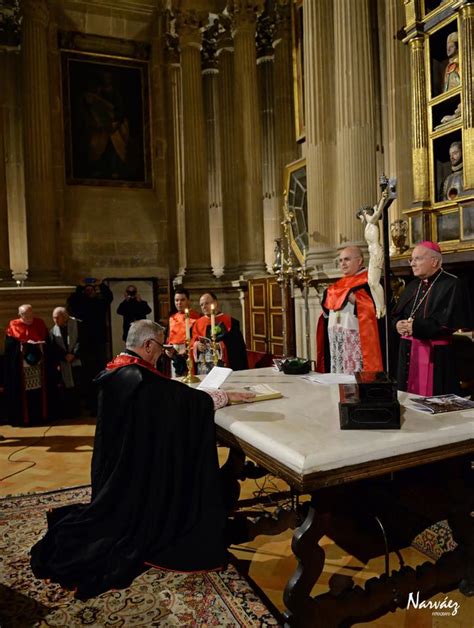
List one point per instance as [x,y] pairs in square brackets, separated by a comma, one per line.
[156,597]
[435,540]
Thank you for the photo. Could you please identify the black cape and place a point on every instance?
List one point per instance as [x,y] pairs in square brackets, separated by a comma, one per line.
[442,312]
[156,493]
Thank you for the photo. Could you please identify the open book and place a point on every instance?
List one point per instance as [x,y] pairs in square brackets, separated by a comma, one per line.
[441,403]
[263,392]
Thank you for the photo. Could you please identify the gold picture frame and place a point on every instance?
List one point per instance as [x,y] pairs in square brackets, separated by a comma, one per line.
[106,108]
[296,208]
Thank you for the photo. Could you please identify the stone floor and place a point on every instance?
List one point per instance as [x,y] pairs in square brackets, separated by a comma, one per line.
[56,456]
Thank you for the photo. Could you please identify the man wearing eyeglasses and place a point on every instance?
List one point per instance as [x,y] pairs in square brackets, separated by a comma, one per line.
[347,335]
[428,312]
[156,486]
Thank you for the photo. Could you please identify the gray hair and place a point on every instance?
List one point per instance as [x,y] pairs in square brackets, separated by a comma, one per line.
[22,309]
[60,309]
[437,256]
[141,331]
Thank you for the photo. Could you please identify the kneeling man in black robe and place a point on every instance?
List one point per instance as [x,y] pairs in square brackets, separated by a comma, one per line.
[156,489]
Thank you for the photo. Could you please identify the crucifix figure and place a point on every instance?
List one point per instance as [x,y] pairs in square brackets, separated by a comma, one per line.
[372,233]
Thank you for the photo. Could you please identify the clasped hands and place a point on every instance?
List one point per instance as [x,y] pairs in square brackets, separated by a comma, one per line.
[405,327]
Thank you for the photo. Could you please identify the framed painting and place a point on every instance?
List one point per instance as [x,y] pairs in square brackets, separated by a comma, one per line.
[106,120]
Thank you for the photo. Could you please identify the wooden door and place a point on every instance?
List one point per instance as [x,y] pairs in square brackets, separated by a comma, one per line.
[265,317]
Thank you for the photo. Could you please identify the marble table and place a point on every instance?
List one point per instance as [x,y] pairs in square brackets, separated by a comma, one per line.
[298,438]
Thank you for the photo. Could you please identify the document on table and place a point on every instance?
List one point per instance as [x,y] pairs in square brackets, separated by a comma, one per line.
[329,378]
[215,378]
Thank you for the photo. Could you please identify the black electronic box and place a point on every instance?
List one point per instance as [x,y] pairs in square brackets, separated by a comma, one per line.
[369,404]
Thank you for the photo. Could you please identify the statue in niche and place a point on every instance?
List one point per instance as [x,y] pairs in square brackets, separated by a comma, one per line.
[452,74]
[371,216]
[453,184]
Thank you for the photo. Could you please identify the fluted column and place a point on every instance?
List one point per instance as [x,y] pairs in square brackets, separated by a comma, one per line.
[318,17]
[355,115]
[39,184]
[13,147]
[210,79]
[419,127]
[285,134]
[230,162]
[248,132]
[467,45]
[265,73]
[5,272]
[397,86]
[175,183]
[196,188]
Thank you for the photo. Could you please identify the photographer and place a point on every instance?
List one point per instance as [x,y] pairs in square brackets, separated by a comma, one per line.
[132,308]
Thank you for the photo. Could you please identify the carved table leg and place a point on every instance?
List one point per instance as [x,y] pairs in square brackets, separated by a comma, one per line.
[311,557]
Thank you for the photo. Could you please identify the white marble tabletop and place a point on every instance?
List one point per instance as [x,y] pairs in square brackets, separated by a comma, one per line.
[301,431]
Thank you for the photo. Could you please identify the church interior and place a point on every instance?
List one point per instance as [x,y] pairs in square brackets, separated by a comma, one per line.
[236,147]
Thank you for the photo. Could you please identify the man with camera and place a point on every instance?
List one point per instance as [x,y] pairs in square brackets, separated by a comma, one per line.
[132,308]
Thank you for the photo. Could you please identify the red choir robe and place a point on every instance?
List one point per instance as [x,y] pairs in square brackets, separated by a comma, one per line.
[24,404]
[177,327]
[231,341]
[335,298]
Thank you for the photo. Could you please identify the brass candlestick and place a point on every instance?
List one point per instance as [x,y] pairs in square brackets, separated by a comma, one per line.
[190,378]
[215,357]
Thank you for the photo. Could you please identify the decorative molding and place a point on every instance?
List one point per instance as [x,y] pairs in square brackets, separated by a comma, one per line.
[80,42]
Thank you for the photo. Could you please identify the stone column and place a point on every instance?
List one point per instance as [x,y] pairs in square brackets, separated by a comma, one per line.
[248,133]
[419,126]
[356,179]
[320,106]
[39,183]
[211,111]
[397,142]
[175,183]
[10,71]
[5,272]
[285,133]
[265,73]
[196,189]
[467,45]
[230,162]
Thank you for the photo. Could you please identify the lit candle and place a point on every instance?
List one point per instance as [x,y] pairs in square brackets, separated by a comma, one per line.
[213,318]
[186,320]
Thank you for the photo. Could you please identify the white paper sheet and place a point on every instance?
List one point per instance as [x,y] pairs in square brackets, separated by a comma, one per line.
[215,378]
[330,378]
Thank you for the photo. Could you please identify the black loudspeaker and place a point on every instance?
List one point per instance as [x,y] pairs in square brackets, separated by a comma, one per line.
[371,404]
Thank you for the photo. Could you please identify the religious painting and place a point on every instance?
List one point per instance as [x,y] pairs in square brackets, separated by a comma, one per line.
[106,115]
[298,67]
[468,222]
[447,226]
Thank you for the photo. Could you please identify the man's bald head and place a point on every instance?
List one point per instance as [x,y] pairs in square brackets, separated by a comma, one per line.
[351,260]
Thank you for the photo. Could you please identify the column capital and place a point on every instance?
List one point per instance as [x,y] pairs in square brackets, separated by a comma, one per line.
[283,21]
[35,10]
[188,26]
[265,34]
[224,37]
[209,46]
[172,49]
[244,13]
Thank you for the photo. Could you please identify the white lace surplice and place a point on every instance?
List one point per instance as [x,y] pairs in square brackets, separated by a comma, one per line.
[344,341]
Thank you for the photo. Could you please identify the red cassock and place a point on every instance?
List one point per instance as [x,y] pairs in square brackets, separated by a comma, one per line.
[177,327]
[25,385]
[36,332]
